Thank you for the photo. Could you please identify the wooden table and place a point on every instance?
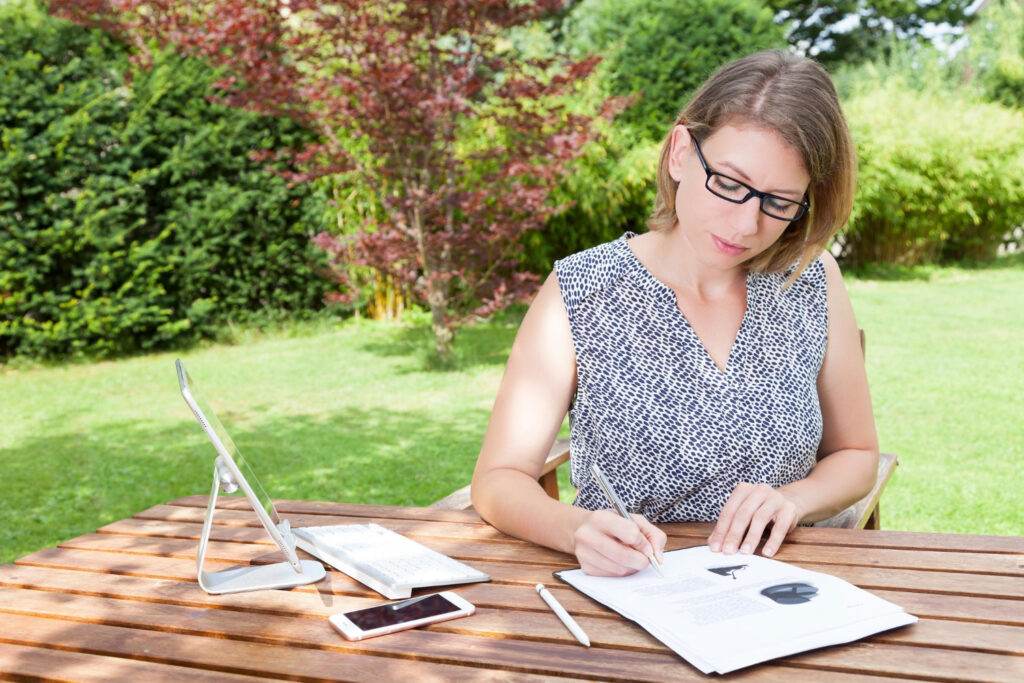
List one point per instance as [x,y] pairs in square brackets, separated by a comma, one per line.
[123,603]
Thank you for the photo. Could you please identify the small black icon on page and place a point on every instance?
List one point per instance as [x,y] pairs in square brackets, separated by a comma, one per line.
[727,571]
[790,593]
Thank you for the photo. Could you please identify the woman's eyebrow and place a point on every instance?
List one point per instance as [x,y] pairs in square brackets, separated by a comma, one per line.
[745,178]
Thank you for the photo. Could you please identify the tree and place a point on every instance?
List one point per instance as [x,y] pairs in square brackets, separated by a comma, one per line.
[851,31]
[427,103]
[662,53]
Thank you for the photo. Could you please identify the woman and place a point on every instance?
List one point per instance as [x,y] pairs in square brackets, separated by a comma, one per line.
[711,366]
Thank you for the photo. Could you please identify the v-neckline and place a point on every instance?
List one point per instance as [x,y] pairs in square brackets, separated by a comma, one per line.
[670,297]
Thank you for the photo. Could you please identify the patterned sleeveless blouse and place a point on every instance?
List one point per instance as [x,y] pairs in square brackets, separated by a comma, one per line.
[671,431]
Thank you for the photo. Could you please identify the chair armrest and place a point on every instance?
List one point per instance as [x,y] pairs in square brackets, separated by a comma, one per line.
[548,478]
[864,514]
[868,516]
[456,500]
[559,453]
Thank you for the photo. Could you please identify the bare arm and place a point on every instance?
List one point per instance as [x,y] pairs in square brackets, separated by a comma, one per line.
[539,382]
[847,455]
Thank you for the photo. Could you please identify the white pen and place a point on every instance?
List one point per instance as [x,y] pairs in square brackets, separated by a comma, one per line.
[560,612]
[609,493]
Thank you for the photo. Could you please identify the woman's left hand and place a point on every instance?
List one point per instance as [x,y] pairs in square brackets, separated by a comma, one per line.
[747,513]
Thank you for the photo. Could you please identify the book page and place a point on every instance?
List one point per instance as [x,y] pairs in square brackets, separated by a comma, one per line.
[724,612]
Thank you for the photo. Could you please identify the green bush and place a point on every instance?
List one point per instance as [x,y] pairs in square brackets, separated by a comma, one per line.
[611,190]
[131,217]
[664,49]
[941,177]
[993,61]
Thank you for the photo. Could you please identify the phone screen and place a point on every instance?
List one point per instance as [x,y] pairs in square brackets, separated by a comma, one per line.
[401,612]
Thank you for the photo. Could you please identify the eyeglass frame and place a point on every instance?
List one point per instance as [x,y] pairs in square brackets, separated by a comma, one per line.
[751,192]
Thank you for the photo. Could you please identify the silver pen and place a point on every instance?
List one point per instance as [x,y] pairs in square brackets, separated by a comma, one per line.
[609,493]
[560,612]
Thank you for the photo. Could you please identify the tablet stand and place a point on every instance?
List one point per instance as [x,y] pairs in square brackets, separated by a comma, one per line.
[260,577]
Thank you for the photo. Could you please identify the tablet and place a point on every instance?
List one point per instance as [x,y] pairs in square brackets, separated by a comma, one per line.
[233,470]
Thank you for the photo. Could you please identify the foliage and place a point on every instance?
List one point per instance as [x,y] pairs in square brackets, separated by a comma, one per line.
[852,31]
[939,179]
[663,53]
[993,62]
[611,190]
[131,217]
[460,137]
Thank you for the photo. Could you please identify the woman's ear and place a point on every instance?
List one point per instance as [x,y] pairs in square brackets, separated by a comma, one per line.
[680,143]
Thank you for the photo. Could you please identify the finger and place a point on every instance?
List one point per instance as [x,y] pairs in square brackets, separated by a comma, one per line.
[742,518]
[655,536]
[618,540]
[596,564]
[783,524]
[633,548]
[642,540]
[620,559]
[725,517]
[762,517]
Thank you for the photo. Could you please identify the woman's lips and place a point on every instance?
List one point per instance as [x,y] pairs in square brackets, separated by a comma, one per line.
[727,248]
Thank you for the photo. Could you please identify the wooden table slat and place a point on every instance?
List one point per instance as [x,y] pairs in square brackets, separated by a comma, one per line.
[917,662]
[24,662]
[250,658]
[325,508]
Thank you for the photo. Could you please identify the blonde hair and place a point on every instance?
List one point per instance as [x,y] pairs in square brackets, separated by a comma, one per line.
[795,98]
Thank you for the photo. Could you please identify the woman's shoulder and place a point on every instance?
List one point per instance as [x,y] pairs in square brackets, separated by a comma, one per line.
[810,280]
[593,269]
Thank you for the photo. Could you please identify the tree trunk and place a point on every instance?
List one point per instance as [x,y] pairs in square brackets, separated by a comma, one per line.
[444,336]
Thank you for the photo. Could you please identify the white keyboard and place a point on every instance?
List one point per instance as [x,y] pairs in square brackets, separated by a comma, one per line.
[384,560]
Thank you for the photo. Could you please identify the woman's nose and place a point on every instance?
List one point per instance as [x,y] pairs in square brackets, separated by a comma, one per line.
[749,214]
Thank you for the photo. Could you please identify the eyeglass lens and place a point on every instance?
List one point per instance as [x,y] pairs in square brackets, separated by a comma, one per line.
[727,188]
[738,192]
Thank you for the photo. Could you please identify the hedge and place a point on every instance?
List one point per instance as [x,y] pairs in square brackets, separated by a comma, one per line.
[941,178]
[131,216]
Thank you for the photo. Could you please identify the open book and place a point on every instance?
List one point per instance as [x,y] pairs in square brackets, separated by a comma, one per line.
[725,612]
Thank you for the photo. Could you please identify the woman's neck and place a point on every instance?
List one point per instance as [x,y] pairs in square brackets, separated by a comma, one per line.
[672,260]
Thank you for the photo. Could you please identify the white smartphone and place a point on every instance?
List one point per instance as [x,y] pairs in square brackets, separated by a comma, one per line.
[398,616]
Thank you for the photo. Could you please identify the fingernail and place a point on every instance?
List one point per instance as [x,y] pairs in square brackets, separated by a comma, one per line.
[768,552]
[745,549]
[729,548]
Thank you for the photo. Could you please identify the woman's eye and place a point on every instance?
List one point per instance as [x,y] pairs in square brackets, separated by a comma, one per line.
[780,205]
[725,186]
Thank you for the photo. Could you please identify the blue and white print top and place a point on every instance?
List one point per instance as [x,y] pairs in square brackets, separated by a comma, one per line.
[672,432]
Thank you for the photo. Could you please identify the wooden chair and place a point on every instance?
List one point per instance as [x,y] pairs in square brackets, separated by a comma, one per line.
[864,514]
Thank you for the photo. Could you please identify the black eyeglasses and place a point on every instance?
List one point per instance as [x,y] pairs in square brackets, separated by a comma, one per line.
[737,192]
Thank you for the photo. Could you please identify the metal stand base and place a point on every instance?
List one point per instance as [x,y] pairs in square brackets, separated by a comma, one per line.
[261,577]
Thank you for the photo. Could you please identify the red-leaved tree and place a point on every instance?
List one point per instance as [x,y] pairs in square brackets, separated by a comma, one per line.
[427,103]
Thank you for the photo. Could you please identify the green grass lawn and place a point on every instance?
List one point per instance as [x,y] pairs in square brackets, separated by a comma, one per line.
[355,412]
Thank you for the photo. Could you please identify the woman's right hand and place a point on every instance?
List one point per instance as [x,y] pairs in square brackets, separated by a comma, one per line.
[608,545]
